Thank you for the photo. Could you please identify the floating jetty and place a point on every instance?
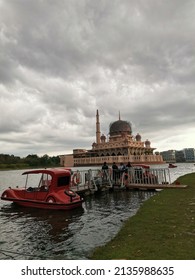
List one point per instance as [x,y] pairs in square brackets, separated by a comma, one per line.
[87,182]
[156,186]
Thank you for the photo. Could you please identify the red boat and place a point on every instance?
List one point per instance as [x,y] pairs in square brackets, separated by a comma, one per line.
[51,190]
[172,165]
[144,166]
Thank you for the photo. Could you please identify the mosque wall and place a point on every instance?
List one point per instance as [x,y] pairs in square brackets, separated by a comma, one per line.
[69,161]
[144,159]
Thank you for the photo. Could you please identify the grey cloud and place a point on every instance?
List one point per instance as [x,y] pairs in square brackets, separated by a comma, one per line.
[62,60]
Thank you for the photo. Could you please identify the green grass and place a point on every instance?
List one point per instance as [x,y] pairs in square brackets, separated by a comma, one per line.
[162,229]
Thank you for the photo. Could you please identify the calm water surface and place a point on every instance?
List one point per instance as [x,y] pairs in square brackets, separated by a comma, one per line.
[45,234]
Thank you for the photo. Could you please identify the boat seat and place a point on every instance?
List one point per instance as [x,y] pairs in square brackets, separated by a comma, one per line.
[30,189]
[44,188]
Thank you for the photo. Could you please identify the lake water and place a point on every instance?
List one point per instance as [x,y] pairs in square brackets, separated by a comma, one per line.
[45,234]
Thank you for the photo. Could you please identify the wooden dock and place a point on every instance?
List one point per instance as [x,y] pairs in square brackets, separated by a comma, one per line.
[85,191]
[155,186]
[89,182]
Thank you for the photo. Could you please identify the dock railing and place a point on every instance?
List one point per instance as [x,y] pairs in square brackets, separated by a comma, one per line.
[141,176]
[96,179]
[92,179]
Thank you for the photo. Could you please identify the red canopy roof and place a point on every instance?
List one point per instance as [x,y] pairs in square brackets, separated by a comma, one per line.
[50,171]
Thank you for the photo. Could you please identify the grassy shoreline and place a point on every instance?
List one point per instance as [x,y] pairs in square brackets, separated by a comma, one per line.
[162,229]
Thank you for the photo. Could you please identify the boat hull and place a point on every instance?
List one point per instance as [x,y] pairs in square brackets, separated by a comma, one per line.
[46,205]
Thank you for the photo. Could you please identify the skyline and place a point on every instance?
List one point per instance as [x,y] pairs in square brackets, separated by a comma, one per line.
[107,139]
[61,61]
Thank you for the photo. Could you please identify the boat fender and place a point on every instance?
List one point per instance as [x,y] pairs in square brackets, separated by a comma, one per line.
[70,193]
[76,178]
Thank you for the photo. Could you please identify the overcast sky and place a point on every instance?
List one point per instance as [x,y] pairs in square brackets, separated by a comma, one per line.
[62,60]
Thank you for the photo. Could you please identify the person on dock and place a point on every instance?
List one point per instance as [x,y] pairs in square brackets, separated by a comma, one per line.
[127,171]
[122,169]
[115,172]
[128,165]
[105,166]
[105,171]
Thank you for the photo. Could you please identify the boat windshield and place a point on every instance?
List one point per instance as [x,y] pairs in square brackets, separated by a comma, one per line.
[38,180]
[45,181]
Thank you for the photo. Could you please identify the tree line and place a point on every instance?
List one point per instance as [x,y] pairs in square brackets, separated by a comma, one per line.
[32,160]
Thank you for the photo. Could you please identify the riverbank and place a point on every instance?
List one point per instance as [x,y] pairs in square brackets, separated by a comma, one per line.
[7,167]
[162,229]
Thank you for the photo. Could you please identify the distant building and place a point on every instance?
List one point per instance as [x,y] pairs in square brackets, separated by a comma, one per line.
[179,156]
[169,156]
[189,154]
[121,146]
[185,155]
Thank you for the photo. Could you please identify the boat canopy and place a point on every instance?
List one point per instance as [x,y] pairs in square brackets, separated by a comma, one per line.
[52,172]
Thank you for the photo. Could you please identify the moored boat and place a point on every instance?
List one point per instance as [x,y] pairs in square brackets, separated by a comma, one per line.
[52,190]
[172,165]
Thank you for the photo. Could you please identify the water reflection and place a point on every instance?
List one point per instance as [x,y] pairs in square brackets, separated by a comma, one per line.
[47,234]
[35,232]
